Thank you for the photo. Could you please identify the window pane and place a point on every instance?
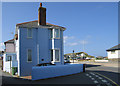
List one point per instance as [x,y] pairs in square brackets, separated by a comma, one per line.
[8,58]
[51,33]
[113,52]
[56,55]
[51,55]
[29,55]
[29,32]
[57,33]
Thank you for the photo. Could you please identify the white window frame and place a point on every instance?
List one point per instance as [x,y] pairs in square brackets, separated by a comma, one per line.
[27,55]
[55,56]
[7,57]
[53,34]
[58,32]
[31,33]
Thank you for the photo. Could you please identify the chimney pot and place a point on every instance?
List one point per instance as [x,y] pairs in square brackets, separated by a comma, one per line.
[40,4]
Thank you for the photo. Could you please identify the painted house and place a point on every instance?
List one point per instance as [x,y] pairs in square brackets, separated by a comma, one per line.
[38,42]
[114,52]
[9,57]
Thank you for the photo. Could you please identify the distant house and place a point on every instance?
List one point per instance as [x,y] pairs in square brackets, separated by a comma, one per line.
[114,52]
[9,57]
[35,42]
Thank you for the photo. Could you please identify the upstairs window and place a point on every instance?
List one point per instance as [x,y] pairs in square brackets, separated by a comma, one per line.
[57,33]
[29,33]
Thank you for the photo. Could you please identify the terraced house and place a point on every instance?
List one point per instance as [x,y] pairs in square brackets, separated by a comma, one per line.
[36,42]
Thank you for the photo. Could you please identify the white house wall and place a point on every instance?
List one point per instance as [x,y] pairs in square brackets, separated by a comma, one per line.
[6,64]
[115,55]
[10,47]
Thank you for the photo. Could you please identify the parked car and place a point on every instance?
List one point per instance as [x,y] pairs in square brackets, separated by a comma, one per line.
[66,61]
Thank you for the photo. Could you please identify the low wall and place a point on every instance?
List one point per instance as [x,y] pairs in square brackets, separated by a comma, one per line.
[54,71]
[101,60]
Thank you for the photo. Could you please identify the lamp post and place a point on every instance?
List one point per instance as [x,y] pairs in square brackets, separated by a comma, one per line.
[73,56]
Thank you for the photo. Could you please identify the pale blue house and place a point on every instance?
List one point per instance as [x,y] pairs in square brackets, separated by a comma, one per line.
[38,42]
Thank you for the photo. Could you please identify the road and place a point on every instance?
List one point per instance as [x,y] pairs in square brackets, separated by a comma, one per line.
[97,75]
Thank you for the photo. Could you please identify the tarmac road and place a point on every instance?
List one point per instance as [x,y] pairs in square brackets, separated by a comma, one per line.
[97,75]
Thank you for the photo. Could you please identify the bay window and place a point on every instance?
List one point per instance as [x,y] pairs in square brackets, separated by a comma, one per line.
[55,33]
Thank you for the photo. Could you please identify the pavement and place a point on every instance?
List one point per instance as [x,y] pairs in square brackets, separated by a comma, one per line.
[96,74]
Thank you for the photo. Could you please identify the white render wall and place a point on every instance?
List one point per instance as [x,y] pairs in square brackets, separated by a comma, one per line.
[10,47]
[115,55]
[6,64]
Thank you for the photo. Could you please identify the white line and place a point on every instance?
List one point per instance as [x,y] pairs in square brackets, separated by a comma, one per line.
[100,77]
[96,75]
[95,81]
[104,80]
[93,78]
[90,76]
[87,74]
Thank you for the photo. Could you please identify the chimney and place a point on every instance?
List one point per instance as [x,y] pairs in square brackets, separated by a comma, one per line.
[41,15]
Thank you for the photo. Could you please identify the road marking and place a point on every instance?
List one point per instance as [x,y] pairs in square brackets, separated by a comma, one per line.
[96,75]
[104,80]
[90,76]
[108,79]
[92,73]
[100,77]
[95,81]
[87,74]
[93,78]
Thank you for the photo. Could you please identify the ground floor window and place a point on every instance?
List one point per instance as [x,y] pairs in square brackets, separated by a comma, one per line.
[29,55]
[8,58]
[55,55]
[51,55]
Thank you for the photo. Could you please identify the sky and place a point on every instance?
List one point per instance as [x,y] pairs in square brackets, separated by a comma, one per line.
[91,27]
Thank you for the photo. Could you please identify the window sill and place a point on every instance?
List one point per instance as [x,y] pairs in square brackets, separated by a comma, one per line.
[29,37]
[29,61]
[54,38]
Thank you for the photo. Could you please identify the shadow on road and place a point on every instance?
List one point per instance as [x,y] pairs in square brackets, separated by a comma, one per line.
[79,78]
[91,65]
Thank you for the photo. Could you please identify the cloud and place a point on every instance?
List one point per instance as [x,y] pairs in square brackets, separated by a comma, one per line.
[83,42]
[66,38]
[73,41]
[72,44]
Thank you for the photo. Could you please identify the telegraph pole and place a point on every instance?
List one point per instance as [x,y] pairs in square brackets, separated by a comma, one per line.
[73,56]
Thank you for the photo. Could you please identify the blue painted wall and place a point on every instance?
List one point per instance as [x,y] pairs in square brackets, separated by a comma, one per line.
[40,36]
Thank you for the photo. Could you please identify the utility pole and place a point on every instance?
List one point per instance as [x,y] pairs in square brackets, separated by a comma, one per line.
[73,56]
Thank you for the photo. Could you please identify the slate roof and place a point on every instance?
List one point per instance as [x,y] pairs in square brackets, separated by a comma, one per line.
[34,24]
[9,41]
[117,47]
